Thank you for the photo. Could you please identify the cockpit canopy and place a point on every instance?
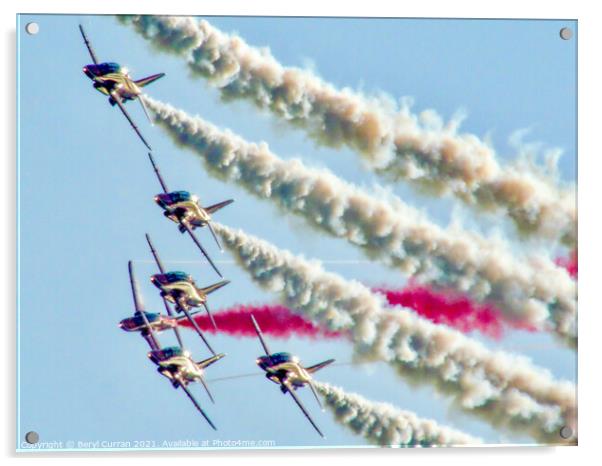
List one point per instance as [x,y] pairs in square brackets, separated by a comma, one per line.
[275,359]
[168,278]
[168,199]
[102,69]
[164,354]
[137,321]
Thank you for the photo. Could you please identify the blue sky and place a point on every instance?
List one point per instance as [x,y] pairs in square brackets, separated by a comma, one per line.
[86,188]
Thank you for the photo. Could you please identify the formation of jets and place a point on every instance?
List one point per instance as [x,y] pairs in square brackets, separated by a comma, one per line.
[173,362]
[181,296]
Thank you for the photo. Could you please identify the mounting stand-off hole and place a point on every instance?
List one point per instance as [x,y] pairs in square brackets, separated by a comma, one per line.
[566,33]
[32,437]
[566,432]
[32,28]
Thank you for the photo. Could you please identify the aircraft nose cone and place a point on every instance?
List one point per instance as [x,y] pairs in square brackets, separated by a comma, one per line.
[88,72]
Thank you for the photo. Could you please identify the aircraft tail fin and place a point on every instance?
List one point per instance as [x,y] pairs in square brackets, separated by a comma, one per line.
[143,105]
[216,286]
[320,365]
[207,362]
[149,79]
[219,245]
[210,315]
[204,383]
[315,392]
[220,205]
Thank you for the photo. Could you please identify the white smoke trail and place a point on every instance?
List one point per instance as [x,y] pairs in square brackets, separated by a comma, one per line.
[394,142]
[532,290]
[505,389]
[385,425]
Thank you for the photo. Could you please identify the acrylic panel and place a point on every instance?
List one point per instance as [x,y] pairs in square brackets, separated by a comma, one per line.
[389,202]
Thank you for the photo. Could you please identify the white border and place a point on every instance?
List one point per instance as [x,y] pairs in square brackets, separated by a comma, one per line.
[590,169]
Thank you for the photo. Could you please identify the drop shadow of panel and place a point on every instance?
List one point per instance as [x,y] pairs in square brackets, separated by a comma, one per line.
[10,246]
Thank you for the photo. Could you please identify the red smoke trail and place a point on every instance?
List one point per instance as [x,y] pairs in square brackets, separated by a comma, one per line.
[441,307]
[275,321]
[450,309]
[570,263]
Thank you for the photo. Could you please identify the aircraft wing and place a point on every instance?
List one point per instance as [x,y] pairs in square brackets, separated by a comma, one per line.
[197,405]
[88,45]
[200,246]
[153,250]
[176,330]
[117,99]
[150,339]
[198,330]
[165,303]
[260,335]
[298,401]
[139,306]
[158,173]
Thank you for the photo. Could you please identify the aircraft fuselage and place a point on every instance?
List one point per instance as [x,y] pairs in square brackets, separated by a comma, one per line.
[158,322]
[182,293]
[111,78]
[287,369]
[180,368]
[185,209]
